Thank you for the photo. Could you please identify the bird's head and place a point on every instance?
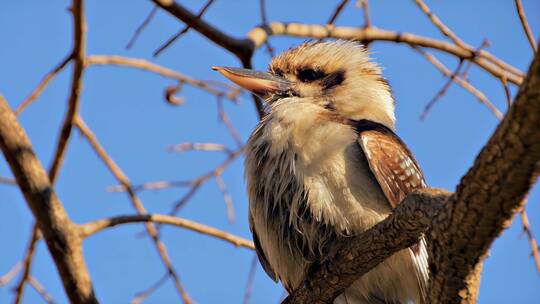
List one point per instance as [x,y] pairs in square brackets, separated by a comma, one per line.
[337,76]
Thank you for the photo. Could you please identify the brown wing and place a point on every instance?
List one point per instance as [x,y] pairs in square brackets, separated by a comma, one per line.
[392,164]
[260,254]
[397,173]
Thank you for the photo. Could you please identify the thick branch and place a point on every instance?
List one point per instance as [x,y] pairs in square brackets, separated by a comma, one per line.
[60,233]
[97,226]
[487,197]
[358,255]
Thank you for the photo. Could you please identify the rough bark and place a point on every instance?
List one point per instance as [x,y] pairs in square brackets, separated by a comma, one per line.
[488,197]
[462,228]
[60,233]
[356,256]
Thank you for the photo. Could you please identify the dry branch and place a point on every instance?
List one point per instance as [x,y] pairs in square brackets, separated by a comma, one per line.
[99,225]
[141,27]
[357,255]
[242,48]
[60,233]
[43,84]
[135,201]
[79,53]
[40,290]
[439,24]
[27,264]
[7,181]
[8,277]
[182,31]
[211,87]
[532,241]
[461,81]
[483,59]
[525,24]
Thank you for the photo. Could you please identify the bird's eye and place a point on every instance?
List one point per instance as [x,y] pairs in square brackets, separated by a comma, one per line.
[308,75]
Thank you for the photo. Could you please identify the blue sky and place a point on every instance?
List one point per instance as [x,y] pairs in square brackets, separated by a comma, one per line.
[126,110]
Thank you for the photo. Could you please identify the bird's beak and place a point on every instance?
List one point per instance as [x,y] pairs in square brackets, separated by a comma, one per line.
[259,83]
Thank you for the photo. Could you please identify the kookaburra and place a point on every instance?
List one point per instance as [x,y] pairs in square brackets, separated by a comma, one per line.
[325,164]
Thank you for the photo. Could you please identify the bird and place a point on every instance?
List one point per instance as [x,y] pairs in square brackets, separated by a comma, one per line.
[324,164]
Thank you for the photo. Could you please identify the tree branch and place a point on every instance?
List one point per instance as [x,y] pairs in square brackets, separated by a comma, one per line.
[43,84]
[525,24]
[483,59]
[136,203]
[78,56]
[215,88]
[488,197]
[92,228]
[27,263]
[461,81]
[242,48]
[357,255]
[60,233]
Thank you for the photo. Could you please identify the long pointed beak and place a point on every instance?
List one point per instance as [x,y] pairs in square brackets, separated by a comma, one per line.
[259,83]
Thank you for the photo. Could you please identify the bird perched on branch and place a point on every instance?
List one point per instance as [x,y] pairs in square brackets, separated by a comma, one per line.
[325,164]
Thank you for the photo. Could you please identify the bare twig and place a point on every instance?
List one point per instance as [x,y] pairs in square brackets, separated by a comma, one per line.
[264,19]
[43,84]
[182,31]
[506,92]
[464,84]
[136,202]
[191,146]
[186,197]
[6,278]
[157,185]
[364,4]
[214,88]
[240,47]
[251,279]
[439,24]
[532,242]
[448,33]
[7,181]
[525,24]
[141,296]
[337,12]
[40,290]
[226,197]
[94,227]
[79,53]
[152,186]
[141,27]
[27,264]
[465,74]
[227,121]
[442,91]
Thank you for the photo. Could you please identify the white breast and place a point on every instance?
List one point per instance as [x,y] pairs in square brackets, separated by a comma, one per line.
[342,193]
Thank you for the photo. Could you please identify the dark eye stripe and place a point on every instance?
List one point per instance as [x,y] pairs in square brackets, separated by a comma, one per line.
[308,75]
[332,80]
